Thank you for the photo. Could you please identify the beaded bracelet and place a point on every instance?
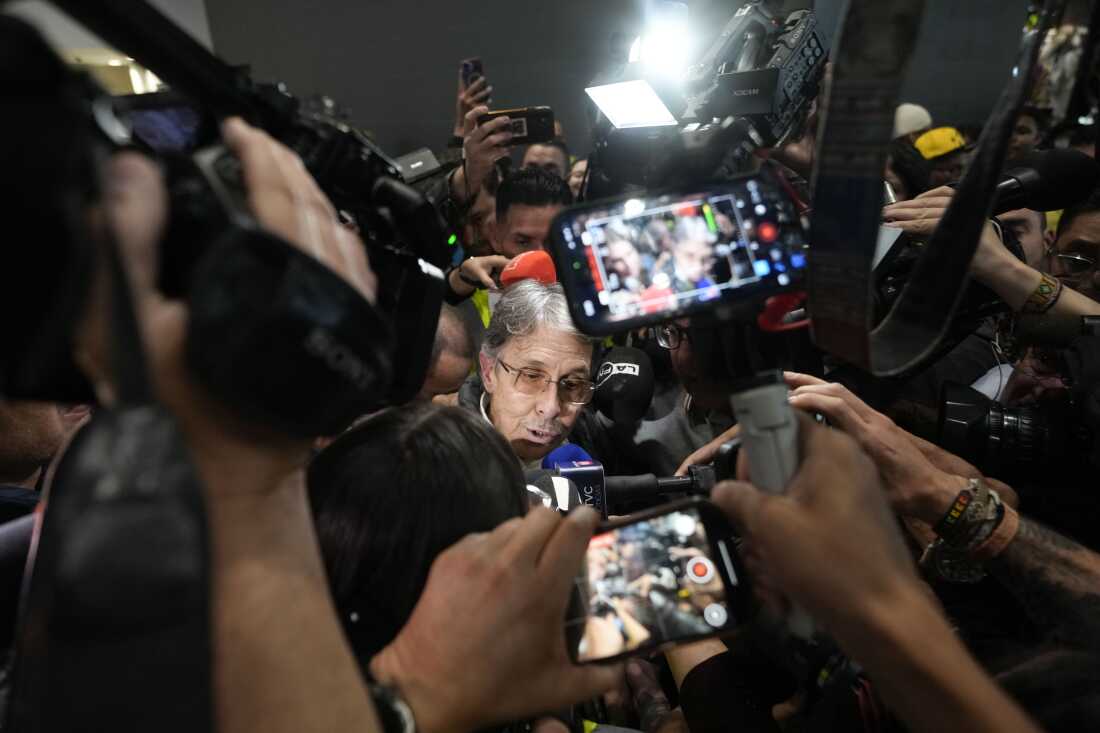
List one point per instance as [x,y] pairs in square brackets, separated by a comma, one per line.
[1045,295]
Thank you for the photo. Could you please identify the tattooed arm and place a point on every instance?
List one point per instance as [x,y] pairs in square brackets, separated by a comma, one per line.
[1056,580]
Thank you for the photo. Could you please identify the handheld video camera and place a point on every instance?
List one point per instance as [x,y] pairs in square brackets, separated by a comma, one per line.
[279,321]
[750,90]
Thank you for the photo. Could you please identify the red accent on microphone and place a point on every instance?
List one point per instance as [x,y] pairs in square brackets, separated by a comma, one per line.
[536,265]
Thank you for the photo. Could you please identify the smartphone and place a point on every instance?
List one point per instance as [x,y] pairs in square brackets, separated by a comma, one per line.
[472,70]
[165,122]
[529,124]
[657,578]
[638,261]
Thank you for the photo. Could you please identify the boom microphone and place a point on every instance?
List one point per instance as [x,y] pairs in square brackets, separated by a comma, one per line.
[1046,181]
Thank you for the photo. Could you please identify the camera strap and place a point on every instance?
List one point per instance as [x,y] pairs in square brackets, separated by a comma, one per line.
[116,605]
[857,125]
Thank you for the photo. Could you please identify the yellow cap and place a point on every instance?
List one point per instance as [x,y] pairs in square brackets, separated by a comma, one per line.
[939,142]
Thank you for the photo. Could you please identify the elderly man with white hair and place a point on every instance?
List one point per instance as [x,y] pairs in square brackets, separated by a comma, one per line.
[535,371]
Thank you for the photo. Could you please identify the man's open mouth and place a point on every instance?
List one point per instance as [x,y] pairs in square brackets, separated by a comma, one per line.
[541,436]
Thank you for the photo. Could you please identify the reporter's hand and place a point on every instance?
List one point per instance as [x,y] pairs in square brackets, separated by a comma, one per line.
[706,454]
[287,201]
[486,642]
[467,98]
[921,215]
[916,487]
[830,543]
[477,269]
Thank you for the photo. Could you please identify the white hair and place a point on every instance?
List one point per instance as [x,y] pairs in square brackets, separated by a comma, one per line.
[523,308]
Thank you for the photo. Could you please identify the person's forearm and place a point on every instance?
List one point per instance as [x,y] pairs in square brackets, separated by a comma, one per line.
[460,287]
[682,659]
[1056,580]
[923,671]
[458,185]
[1015,281]
[280,659]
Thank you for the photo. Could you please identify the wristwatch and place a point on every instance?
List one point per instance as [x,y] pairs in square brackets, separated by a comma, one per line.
[393,712]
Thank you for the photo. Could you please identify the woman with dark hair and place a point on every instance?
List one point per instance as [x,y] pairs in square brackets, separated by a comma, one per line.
[390,495]
[393,493]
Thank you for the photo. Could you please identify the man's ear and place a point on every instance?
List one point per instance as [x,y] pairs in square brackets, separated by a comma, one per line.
[486,363]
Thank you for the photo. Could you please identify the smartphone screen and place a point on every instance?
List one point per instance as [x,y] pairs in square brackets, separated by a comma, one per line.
[652,582]
[640,261]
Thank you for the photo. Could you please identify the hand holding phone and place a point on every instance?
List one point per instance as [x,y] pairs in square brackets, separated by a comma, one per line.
[528,125]
[473,90]
[483,146]
[655,579]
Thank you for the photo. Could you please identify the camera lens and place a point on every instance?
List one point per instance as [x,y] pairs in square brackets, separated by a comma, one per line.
[996,438]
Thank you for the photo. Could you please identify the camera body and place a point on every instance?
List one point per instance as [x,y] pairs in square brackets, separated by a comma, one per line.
[752,89]
[277,289]
[768,72]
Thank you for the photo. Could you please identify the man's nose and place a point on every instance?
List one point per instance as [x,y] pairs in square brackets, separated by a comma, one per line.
[547,404]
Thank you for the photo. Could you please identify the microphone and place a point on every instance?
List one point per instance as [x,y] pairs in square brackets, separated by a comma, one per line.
[647,487]
[624,385]
[560,489]
[1051,331]
[572,462]
[535,265]
[1046,181]
[566,453]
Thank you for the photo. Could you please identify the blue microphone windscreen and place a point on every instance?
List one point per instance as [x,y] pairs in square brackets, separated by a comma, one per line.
[565,454]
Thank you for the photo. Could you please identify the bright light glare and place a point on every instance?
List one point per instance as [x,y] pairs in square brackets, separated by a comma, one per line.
[631,104]
[137,81]
[632,208]
[666,49]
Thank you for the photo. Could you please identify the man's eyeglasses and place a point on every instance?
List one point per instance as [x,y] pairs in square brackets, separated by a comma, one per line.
[1071,265]
[571,390]
[670,336]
